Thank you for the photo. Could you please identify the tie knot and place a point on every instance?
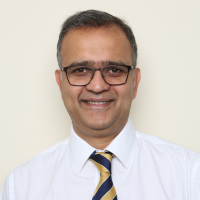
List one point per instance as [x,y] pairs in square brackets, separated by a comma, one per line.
[102,160]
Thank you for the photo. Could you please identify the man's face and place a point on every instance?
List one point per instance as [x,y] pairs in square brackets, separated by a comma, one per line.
[97,110]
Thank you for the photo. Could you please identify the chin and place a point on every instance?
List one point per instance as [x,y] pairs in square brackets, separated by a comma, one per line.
[98,123]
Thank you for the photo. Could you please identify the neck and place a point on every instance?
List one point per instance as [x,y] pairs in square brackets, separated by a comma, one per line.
[101,144]
[99,139]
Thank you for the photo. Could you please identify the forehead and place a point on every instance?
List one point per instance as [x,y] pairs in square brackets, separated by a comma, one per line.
[96,44]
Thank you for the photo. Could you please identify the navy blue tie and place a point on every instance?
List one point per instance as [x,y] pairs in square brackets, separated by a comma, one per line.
[105,189]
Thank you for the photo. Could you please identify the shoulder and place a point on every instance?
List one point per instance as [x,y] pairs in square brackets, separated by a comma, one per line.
[49,155]
[158,148]
[161,144]
[34,172]
[41,162]
[170,160]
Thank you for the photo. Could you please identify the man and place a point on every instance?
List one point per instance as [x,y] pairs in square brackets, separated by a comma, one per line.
[98,79]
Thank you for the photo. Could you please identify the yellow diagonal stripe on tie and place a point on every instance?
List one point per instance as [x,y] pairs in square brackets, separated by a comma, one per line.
[110,194]
[100,167]
[104,176]
[106,155]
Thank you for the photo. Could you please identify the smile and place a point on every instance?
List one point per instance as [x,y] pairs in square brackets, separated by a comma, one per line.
[96,102]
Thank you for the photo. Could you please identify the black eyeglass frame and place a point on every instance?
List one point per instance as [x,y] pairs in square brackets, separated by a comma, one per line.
[98,69]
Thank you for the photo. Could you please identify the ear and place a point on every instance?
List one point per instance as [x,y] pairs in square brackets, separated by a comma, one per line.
[58,74]
[136,80]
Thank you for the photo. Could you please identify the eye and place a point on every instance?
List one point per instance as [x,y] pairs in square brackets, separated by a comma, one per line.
[114,70]
[81,70]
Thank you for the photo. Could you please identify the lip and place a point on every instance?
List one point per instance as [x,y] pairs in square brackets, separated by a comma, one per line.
[97,102]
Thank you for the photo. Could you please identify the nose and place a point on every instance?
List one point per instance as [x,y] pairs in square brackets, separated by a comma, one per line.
[97,84]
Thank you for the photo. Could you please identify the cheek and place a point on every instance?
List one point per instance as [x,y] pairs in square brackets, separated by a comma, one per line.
[125,95]
[70,95]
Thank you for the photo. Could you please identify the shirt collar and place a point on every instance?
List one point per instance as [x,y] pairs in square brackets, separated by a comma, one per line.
[121,147]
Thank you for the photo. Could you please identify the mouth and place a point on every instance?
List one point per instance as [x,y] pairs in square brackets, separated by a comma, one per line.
[97,103]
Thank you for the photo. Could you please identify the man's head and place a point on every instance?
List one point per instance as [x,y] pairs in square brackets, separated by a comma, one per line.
[95,19]
[95,39]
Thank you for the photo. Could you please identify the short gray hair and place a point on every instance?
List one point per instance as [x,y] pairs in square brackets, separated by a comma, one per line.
[95,18]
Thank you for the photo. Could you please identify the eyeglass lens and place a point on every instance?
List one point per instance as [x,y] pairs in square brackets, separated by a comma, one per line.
[82,75]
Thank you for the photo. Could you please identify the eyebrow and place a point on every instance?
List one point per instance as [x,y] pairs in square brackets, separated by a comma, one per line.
[91,63]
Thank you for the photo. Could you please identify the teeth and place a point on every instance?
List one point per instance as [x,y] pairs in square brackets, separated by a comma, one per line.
[95,102]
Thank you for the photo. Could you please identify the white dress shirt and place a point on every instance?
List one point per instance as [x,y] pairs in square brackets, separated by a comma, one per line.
[145,168]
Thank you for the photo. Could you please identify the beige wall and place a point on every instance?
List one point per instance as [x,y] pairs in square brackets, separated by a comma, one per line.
[32,115]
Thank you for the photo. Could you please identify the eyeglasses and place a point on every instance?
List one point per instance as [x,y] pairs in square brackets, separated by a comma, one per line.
[112,75]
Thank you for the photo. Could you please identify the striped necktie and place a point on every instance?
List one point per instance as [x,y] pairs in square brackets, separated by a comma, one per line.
[105,189]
